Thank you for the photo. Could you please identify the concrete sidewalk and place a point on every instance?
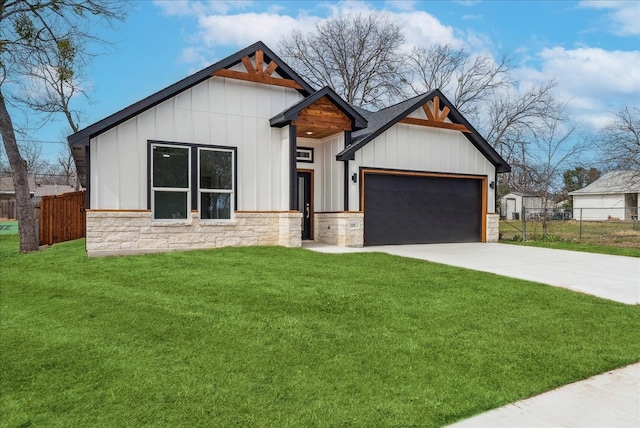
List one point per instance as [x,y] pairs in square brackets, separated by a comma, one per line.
[610,399]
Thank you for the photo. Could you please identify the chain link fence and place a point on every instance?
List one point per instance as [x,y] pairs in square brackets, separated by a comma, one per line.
[617,226]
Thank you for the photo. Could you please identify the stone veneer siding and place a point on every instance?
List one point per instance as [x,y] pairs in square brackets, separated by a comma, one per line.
[493,227]
[345,229]
[131,232]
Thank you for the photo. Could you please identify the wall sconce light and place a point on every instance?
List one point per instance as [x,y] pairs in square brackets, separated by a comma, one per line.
[354,177]
[492,185]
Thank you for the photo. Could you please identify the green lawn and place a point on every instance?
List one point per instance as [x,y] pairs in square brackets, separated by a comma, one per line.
[284,337]
[618,234]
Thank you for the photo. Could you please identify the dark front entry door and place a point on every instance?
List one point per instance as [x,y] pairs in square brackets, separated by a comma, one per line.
[304,203]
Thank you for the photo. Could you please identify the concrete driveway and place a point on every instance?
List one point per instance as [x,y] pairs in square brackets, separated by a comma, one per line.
[610,277]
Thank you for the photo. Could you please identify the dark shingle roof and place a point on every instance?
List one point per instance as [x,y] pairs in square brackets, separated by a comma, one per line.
[380,121]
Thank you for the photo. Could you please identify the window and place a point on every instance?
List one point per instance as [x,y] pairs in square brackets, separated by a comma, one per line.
[191,176]
[170,182]
[216,183]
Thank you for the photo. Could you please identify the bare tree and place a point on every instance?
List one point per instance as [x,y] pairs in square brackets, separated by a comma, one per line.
[358,56]
[43,42]
[516,119]
[469,80]
[619,140]
[32,155]
[553,150]
[67,166]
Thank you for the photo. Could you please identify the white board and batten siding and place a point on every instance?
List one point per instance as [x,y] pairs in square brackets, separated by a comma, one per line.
[422,149]
[219,112]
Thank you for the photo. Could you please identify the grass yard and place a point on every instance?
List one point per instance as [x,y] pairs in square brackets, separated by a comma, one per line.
[284,337]
[594,233]
[579,246]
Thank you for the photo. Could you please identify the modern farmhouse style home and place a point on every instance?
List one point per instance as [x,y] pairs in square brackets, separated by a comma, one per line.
[245,152]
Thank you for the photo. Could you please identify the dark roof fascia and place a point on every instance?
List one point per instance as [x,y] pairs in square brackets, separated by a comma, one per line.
[349,152]
[83,136]
[454,115]
[291,113]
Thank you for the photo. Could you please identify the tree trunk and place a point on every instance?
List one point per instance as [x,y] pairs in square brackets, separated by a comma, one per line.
[26,219]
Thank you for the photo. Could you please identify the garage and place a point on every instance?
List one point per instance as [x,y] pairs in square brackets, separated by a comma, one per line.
[414,208]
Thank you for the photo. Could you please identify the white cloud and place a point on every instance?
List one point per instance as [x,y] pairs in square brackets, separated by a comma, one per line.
[591,80]
[217,27]
[190,7]
[624,16]
[246,28]
[404,5]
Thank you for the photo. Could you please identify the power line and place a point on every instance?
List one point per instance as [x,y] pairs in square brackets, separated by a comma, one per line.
[43,141]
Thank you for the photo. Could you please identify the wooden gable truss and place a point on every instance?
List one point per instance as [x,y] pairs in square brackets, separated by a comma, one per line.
[435,118]
[258,72]
[321,119]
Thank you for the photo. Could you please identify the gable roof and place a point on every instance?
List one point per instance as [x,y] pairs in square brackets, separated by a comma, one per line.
[281,119]
[384,119]
[522,194]
[83,136]
[612,183]
[6,185]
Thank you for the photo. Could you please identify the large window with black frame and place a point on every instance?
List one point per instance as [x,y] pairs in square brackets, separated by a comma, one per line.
[178,184]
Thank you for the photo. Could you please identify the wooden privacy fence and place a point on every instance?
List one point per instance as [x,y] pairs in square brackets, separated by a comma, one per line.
[62,217]
[8,209]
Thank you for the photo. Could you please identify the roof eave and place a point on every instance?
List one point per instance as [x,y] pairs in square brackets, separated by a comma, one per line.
[292,112]
[473,136]
[83,136]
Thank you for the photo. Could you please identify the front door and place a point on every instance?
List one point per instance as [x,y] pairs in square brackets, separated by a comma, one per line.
[305,204]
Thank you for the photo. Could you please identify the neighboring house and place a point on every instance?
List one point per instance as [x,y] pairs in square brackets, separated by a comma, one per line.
[245,152]
[52,189]
[612,196]
[8,196]
[511,205]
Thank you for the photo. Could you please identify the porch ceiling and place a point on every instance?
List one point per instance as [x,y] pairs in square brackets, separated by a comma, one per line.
[315,132]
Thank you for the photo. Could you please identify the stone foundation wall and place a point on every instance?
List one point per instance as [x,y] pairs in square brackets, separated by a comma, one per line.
[493,227]
[130,232]
[345,229]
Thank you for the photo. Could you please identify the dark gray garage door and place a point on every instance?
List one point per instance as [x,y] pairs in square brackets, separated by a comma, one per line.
[410,209]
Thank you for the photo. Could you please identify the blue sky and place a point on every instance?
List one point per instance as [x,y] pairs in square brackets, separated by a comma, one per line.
[592,49]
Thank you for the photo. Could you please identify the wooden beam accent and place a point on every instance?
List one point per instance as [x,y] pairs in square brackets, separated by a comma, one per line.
[443,114]
[435,124]
[436,107]
[270,69]
[259,78]
[248,65]
[436,115]
[257,74]
[259,61]
[324,124]
[427,110]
